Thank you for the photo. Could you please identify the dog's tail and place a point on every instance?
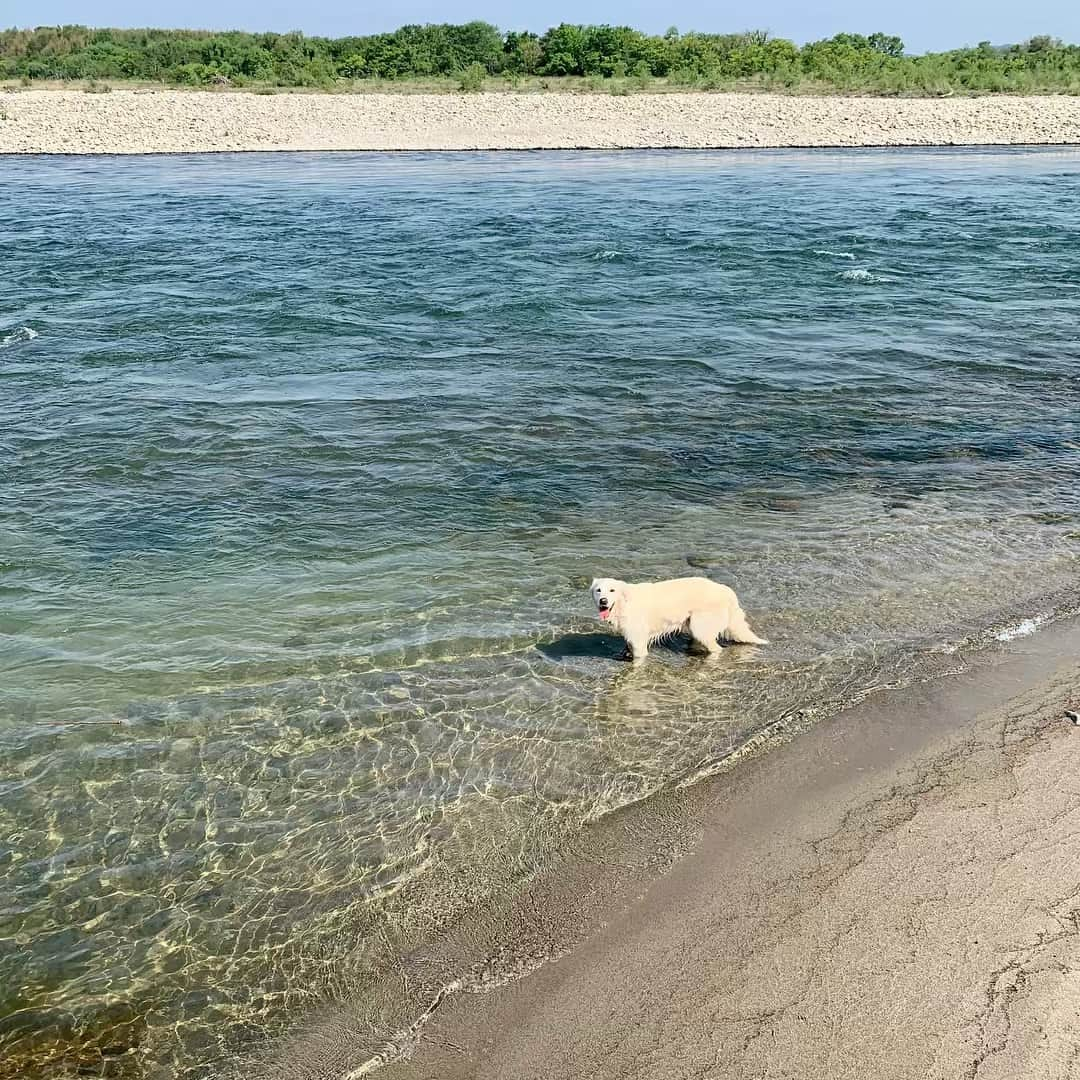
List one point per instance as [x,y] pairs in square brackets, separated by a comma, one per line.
[739,631]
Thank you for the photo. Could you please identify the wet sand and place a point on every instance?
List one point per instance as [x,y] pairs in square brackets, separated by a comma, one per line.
[880,898]
[893,893]
[176,121]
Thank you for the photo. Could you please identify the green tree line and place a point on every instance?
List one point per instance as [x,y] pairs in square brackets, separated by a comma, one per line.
[875,62]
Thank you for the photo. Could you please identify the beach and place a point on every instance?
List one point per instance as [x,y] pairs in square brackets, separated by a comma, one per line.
[146,121]
[894,893]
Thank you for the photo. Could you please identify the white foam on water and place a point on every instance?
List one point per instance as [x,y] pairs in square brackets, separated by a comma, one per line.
[834,254]
[403,1043]
[606,255]
[1024,628]
[946,648]
[856,275]
[18,336]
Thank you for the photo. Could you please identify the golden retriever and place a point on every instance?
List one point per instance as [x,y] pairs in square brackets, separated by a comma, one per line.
[645,612]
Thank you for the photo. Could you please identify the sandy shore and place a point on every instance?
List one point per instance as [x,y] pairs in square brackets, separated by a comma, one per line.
[856,907]
[171,121]
[895,893]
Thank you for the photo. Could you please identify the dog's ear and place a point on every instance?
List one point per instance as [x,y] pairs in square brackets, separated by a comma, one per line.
[592,584]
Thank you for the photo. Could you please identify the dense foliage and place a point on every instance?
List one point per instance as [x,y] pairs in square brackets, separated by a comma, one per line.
[476,50]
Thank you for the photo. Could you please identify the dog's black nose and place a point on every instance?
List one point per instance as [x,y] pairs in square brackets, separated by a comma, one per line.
[602,604]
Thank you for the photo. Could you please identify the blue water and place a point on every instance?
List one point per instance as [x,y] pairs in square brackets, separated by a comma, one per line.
[306,462]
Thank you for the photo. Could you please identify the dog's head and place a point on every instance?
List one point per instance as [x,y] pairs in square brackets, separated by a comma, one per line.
[606,593]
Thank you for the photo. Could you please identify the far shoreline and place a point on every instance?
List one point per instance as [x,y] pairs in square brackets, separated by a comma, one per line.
[167,121]
[522,150]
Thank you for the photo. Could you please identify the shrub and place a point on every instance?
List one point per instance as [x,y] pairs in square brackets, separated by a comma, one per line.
[472,79]
[714,81]
[641,75]
[190,74]
[874,63]
[683,76]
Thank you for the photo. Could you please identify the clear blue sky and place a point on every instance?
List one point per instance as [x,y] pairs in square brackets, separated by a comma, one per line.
[923,24]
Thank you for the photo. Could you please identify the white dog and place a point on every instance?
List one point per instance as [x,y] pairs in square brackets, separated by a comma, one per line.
[646,612]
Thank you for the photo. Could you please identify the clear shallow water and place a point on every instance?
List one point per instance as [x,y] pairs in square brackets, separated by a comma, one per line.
[306,461]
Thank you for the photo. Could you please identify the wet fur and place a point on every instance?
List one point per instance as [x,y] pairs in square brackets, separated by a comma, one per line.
[648,612]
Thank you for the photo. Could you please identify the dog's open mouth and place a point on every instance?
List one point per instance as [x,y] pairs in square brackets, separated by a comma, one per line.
[605,610]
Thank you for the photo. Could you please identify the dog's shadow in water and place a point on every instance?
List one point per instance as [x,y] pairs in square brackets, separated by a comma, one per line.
[606,646]
[580,646]
[598,646]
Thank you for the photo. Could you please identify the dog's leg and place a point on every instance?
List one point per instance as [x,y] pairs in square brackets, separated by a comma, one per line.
[738,630]
[705,627]
[637,644]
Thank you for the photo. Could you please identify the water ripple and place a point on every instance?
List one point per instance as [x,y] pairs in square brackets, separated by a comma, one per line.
[308,459]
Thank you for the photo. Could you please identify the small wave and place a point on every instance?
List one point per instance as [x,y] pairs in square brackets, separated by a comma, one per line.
[834,254]
[605,255]
[18,336]
[1024,628]
[856,275]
